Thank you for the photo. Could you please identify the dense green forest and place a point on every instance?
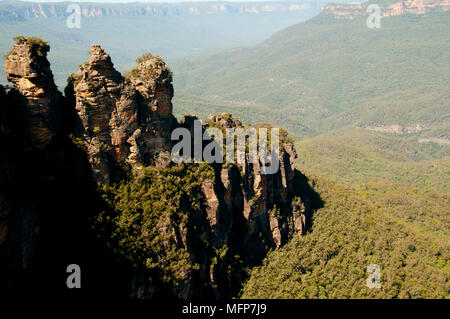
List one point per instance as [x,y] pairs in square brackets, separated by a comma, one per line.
[404,230]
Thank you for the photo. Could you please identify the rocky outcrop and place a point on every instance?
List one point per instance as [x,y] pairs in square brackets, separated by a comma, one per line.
[247,213]
[26,133]
[122,121]
[397,129]
[46,193]
[106,127]
[153,83]
[395,8]
[38,97]
[107,110]
[265,200]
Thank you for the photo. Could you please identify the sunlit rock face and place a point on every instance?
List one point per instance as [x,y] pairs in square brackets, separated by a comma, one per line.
[153,82]
[126,120]
[38,97]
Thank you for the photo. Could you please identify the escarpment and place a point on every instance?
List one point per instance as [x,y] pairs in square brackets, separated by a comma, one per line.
[103,192]
[387,9]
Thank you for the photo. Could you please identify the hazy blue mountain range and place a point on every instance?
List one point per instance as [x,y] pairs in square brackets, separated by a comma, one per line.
[126,30]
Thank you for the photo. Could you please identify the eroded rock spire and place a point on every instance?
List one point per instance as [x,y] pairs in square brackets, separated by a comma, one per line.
[125,120]
[40,101]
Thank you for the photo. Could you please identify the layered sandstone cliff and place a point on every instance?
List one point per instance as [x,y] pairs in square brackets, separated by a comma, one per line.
[22,11]
[394,8]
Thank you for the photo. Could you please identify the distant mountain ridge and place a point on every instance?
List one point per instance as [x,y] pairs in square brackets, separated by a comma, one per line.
[128,29]
[18,10]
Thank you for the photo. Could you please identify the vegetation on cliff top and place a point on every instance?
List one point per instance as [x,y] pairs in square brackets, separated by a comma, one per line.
[150,67]
[38,45]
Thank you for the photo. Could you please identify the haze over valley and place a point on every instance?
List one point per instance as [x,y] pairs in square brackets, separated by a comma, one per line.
[172,30]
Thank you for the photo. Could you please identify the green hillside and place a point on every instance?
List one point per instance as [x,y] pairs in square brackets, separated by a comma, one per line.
[358,156]
[390,208]
[403,230]
[327,73]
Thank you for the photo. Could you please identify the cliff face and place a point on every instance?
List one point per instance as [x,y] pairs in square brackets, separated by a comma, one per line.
[264,199]
[418,7]
[114,127]
[246,213]
[22,11]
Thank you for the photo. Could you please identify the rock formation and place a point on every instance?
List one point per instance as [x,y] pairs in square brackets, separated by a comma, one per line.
[122,120]
[39,99]
[153,82]
[264,199]
[247,214]
[115,125]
